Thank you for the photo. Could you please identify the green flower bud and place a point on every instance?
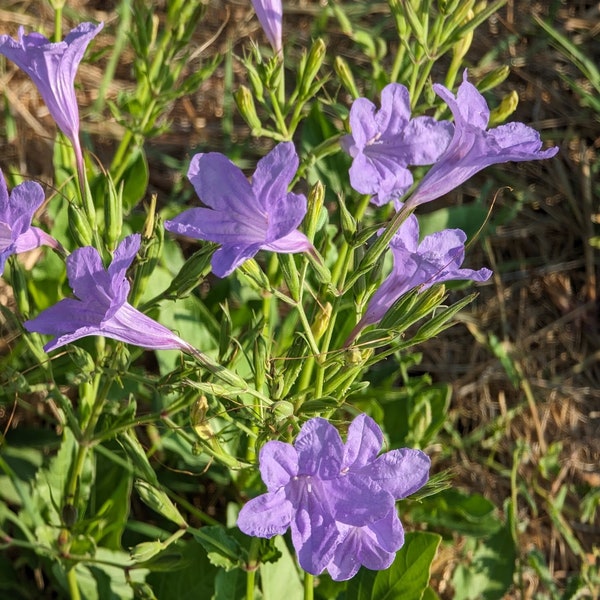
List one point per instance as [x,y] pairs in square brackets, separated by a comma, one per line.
[159,502]
[193,271]
[152,243]
[314,61]
[113,214]
[255,275]
[316,197]
[506,108]
[347,221]
[79,226]
[321,322]
[345,74]
[245,103]
[494,78]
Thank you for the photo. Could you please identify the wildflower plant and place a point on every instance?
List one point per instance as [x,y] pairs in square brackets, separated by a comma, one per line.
[272,368]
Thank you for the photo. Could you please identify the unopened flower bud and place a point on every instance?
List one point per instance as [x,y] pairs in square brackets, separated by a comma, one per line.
[315,201]
[348,222]
[150,251]
[113,215]
[198,419]
[79,226]
[506,108]
[494,78]
[245,103]
[345,74]
[193,271]
[320,324]
[255,81]
[255,275]
[314,61]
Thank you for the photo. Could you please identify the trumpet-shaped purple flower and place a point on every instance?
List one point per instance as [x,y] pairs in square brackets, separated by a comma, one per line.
[270,14]
[53,67]
[101,307]
[436,259]
[16,212]
[244,217]
[385,142]
[335,496]
[473,147]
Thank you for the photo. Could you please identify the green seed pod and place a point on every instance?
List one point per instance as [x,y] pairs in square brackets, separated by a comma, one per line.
[245,103]
[79,226]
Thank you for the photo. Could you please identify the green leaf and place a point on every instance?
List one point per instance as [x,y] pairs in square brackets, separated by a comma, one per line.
[222,548]
[136,177]
[490,572]
[408,576]
[195,580]
[281,575]
[230,584]
[468,514]
[361,585]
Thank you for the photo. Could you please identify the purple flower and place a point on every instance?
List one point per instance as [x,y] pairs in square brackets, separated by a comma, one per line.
[244,217]
[436,259]
[335,496]
[101,306]
[16,212]
[383,143]
[53,67]
[269,13]
[473,147]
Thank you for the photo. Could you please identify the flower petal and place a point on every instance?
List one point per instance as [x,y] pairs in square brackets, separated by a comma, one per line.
[266,515]
[278,464]
[401,472]
[320,449]
[363,442]
[221,185]
[273,175]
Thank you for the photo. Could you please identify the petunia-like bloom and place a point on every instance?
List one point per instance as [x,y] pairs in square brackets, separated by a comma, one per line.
[335,497]
[270,14]
[473,147]
[437,258]
[53,67]
[244,217]
[101,307]
[385,142]
[16,212]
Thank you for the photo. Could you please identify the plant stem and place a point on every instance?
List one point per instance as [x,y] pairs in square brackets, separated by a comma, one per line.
[309,586]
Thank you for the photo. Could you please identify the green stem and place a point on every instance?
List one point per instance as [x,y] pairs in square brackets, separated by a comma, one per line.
[309,586]
[58,9]
[251,568]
